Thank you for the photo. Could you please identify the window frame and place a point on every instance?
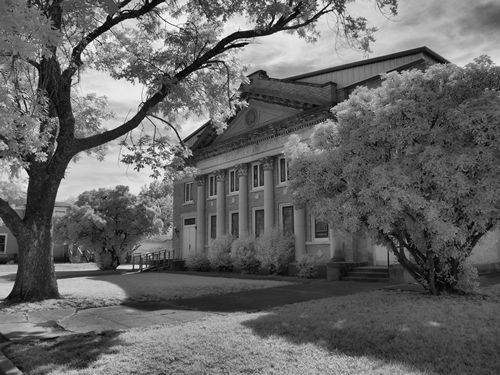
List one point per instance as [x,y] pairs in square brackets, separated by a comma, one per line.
[286,172]
[4,250]
[313,231]
[254,217]
[212,186]
[260,176]
[231,213]
[190,184]
[281,218]
[233,182]
[210,217]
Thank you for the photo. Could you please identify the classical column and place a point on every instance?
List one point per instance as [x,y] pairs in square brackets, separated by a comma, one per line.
[268,164]
[200,213]
[221,203]
[242,171]
[299,229]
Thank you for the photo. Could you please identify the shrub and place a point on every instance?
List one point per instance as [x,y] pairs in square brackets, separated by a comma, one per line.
[219,254]
[243,255]
[275,250]
[197,262]
[467,278]
[307,266]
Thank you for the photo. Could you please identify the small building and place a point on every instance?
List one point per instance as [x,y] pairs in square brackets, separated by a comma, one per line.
[8,243]
[241,187]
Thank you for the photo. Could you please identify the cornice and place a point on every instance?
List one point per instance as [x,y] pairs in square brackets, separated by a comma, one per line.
[273,130]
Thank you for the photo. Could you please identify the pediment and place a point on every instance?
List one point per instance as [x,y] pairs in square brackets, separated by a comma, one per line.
[256,115]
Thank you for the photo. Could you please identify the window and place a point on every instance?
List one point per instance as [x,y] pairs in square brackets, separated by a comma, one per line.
[258,175]
[320,229]
[188,192]
[258,223]
[190,221]
[234,224]
[3,243]
[287,219]
[234,182]
[212,186]
[283,170]
[213,226]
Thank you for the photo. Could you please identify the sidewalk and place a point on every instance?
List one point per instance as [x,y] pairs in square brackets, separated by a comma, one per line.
[52,323]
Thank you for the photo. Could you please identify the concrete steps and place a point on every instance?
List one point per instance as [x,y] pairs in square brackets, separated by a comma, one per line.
[368,273]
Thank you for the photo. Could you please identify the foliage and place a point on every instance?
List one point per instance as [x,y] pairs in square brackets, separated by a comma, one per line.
[244,255]
[275,250]
[219,254]
[467,278]
[182,53]
[415,162]
[198,262]
[158,194]
[109,222]
[307,266]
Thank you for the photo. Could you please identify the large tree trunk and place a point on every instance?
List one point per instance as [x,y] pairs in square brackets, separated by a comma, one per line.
[35,278]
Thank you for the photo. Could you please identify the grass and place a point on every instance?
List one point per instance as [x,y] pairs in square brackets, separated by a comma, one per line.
[100,289]
[383,332]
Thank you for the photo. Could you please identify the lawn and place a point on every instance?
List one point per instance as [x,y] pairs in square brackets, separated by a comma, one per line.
[97,289]
[382,332]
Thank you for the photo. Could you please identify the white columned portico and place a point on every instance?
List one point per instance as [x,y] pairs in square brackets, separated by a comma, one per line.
[299,228]
[242,171]
[268,164]
[200,213]
[221,203]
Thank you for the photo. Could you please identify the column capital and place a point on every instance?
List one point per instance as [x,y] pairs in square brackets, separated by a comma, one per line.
[267,163]
[242,169]
[201,180]
[220,175]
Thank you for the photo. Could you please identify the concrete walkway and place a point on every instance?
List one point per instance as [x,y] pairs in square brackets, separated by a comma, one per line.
[57,322]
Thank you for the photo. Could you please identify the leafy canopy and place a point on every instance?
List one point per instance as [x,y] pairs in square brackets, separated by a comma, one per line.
[109,220]
[414,162]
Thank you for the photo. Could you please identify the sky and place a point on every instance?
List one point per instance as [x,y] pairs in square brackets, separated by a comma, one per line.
[458,30]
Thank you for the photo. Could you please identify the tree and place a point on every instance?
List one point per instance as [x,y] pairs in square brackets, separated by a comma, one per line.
[108,222]
[159,194]
[415,163]
[180,51]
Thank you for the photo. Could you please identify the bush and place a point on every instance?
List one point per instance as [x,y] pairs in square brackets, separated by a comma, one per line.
[219,254]
[275,251]
[467,279]
[243,255]
[307,266]
[197,262]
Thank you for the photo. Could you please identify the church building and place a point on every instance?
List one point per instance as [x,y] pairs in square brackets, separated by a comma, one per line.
[241,187]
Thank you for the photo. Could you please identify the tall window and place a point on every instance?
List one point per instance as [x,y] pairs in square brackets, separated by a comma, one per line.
[287,219]
[283,170]
[212,186]
[188,192]
[234,183]
[213,226]
[258,222]
[3,243]
[234,224]
[320,229]
[258,175]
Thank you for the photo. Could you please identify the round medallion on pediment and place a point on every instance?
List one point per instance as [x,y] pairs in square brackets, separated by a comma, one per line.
[251,117]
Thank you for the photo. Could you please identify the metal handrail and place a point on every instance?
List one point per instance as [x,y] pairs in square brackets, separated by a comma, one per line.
[157,259]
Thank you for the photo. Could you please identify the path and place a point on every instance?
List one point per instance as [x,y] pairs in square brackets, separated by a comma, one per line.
[51,323]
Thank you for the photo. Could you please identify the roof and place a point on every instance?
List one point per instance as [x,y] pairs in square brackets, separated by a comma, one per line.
[413,51]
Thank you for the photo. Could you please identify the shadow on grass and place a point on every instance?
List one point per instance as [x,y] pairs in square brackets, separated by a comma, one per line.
[63,353]
[451,335]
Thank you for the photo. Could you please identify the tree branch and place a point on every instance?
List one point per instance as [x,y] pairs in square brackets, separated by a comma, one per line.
[11,218]
[110,22]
